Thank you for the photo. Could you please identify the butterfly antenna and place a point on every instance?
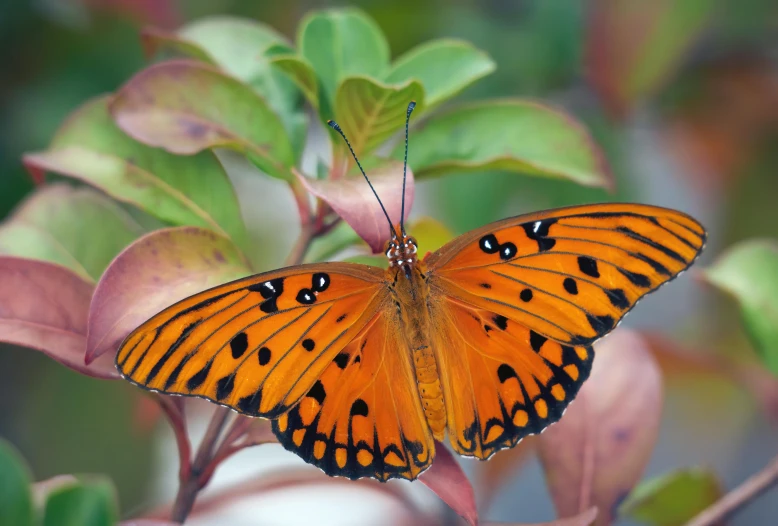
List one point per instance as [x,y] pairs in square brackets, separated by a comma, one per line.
[334,125]
[411,105]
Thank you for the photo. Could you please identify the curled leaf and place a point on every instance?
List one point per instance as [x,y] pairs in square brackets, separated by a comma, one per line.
[186,106]
[154,272]
[44,307]
[749,273]
[352,199]
[511,134]
[446,478]
[597,452]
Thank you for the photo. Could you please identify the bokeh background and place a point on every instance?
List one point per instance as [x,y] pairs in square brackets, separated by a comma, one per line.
[687,118]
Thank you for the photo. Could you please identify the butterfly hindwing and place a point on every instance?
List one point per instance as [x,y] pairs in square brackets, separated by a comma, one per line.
[258,344]
[363,418]
[501,381]
[569,274]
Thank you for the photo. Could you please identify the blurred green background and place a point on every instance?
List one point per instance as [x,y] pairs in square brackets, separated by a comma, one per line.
[687,118]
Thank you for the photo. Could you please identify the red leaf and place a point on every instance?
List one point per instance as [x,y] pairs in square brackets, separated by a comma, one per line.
[156,271]
[446,478]
[597,452]
[352,199]
[44,306]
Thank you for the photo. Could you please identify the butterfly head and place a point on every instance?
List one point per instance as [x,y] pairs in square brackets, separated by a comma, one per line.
[402,252]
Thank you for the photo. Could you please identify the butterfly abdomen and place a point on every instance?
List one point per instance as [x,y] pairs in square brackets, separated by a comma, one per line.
[412,295]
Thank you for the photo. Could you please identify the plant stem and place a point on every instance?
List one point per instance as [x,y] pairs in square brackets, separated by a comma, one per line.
[188,488]
[738,497]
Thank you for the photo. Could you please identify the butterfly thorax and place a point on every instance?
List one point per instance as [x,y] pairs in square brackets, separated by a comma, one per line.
[411,294]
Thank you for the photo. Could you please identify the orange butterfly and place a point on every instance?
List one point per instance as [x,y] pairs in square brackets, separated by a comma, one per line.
[488,339]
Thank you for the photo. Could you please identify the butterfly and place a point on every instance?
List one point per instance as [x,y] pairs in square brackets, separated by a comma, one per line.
[362,369]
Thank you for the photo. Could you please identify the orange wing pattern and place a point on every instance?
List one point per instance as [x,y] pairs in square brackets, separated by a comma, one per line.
[500,380]
[258,344]
[569,274]
[363,417]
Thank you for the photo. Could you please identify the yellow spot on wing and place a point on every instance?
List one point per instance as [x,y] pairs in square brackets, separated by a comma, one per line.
[572,371]
[494,434]
[582,353]
[297,437]
[282,422]
[542,408]
[319,448]
[364,457]
[559,392]
[340,457]
[520,418]
[393,460]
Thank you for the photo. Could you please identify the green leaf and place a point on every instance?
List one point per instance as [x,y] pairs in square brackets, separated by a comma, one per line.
[180,190]
[79,228]
[444,67]
[15,495]
[672,499]
[185,107]
[342,42]
[509,134]
[749,273]
[301,73]
[235,44]
[369,112]
[88,503]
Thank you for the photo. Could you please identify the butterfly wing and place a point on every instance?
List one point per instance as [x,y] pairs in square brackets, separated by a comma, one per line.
[568,274]
[258,344]
[518,304]
[363,418]
[500,380]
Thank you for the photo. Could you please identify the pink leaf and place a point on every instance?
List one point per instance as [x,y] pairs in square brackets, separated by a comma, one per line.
[44,306]
[582,519]
[352,199]
[597,452]
[156,271]
[446,478]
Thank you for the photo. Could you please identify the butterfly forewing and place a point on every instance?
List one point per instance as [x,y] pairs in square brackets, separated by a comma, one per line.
[258,344]
[569,274]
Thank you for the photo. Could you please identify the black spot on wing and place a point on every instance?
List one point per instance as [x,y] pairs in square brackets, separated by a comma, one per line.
[526,295]
[570,286]
[601,324]
[225,386]
[500,321]
[538,231]
[588,266]
[239,344]
[359,408]
[264,355]
[505,372]
[270,291]
[250,404]
[320,282]
[308,344]
[317,392]
[636,278]
[617,298]
[306,297]
[199,377]
[536,341]
[341,360]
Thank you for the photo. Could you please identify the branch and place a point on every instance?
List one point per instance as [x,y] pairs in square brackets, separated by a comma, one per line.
[736,499]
